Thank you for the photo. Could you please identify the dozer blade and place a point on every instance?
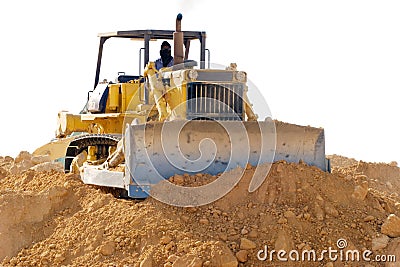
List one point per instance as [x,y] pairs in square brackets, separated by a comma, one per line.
[301,143]
[156,151]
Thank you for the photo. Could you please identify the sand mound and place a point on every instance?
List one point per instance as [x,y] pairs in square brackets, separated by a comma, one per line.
[52,219]
[383,178]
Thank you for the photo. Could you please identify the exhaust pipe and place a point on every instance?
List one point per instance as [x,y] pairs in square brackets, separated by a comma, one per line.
[178,41]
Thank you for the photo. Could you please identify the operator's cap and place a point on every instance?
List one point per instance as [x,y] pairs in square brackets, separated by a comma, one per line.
[165,43]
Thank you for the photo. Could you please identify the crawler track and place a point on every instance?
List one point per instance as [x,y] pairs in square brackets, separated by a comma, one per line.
[81,143]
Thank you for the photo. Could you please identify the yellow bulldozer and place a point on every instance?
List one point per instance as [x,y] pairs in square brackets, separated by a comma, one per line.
[186,118]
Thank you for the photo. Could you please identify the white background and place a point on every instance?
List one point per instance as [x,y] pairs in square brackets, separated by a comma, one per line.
[330,64]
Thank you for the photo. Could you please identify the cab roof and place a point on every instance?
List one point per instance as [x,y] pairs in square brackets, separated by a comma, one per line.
[153,34]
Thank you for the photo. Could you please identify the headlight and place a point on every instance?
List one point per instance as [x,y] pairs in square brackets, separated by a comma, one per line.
[240,76]
[192,74]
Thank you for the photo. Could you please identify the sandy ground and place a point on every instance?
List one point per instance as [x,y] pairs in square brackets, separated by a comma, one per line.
[48,218]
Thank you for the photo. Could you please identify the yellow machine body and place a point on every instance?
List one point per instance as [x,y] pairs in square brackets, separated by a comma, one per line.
[130,123]
[124,103]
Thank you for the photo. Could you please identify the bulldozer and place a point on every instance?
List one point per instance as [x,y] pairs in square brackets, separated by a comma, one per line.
[141,129]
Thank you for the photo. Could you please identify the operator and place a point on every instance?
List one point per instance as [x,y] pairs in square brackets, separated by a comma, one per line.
[165,60]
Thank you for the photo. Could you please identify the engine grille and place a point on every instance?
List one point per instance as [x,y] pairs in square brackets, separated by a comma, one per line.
[215,101]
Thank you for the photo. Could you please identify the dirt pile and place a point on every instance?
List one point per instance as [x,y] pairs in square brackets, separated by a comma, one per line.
[338,161]
[382,178]
[48,218]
